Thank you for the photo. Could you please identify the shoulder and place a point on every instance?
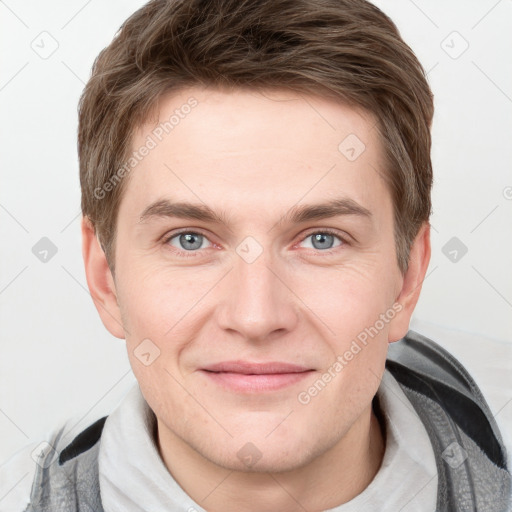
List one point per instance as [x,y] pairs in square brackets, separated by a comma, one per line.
[471,456]
[16,477]
[21,470]
[425,367]
[469,364]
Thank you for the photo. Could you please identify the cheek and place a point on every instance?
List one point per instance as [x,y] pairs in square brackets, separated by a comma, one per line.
[156,297]
[349,297]
[354,304]
[159,323]
[163,312]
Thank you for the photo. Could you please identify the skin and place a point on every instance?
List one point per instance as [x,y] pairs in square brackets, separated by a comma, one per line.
[253,157]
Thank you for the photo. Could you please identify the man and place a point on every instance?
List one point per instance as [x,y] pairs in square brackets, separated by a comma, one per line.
[256,192]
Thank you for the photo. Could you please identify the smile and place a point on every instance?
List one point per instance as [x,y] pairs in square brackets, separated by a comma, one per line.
[246,377]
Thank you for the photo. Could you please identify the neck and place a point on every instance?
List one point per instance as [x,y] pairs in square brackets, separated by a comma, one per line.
[331,479]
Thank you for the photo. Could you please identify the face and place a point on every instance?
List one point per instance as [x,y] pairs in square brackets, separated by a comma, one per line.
[256,273]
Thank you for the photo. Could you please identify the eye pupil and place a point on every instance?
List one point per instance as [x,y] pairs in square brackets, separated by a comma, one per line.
[319,239]
[190,241]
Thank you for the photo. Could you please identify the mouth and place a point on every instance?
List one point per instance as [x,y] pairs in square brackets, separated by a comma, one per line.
[248,377]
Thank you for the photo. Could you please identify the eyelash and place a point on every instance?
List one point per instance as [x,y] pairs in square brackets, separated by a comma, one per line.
[194,254]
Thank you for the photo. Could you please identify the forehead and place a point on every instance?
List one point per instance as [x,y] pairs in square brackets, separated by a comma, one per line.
[254,151]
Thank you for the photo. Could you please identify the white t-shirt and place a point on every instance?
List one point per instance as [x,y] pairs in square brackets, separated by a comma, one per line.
[405,482]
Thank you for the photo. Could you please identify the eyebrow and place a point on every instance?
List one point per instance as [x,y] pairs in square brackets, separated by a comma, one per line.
[296,214]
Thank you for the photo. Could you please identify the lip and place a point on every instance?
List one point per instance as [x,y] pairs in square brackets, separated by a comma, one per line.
[253,377]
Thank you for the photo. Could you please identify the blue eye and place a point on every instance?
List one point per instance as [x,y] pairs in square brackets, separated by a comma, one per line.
[323,240]
[188,241]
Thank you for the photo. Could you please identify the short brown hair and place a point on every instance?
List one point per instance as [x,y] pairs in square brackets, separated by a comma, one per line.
[344,49]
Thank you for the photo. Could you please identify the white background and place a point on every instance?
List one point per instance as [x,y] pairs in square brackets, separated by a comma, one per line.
[58,361]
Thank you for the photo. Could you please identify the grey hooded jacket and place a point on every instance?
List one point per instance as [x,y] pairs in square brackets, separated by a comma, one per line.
[470,454]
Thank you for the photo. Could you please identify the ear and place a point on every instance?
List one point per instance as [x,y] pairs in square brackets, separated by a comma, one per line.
[412,281]
[100,281]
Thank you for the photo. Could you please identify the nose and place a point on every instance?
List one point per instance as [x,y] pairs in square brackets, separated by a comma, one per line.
[257,302]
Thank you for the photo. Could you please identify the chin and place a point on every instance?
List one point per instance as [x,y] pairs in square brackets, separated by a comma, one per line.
[270,462]
[261,455]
